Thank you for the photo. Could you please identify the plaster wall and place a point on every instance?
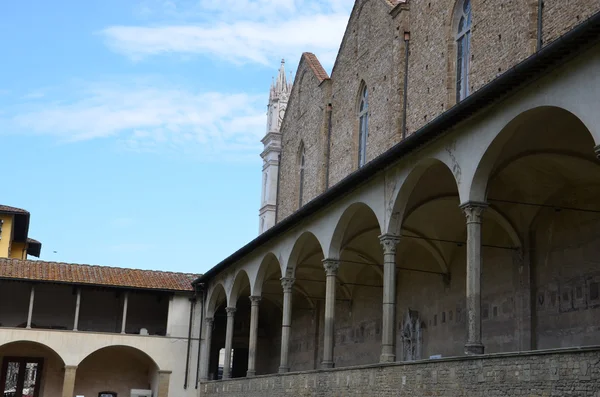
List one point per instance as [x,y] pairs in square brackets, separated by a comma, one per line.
[6,236]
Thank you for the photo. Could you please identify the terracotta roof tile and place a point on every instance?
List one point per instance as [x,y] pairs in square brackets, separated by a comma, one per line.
[12,210]
[95,275]
[315,66]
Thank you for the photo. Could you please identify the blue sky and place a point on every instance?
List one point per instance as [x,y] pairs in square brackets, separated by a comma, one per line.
[131,129]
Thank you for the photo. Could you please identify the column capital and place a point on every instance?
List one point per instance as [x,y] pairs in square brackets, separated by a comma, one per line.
[209,321]
[597,151]
[255,299]
[230,311]
[473,210]
[331,266]
[287,283]
[389,243]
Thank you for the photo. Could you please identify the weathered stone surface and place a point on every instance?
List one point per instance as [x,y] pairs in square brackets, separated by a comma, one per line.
[552,373]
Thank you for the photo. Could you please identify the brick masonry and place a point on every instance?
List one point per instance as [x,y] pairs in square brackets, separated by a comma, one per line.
[574,373]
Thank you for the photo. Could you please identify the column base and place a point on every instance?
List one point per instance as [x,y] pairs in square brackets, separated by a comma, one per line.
[250,374]
[327,364]
[283,370]
[474,349]
[387,358]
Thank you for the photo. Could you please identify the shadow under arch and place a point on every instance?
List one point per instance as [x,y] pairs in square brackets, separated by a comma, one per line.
[340,239]
[117,369]
[401,207]
[544,129]
[306,246]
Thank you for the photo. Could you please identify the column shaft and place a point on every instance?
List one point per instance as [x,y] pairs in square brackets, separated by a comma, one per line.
[228,342]
[252,345]
[31,300]
[206,351]
[474,212]
[388,334]
[77,305]
[124,320]
[331,268]
[164,378]
[69,381]
[286,322]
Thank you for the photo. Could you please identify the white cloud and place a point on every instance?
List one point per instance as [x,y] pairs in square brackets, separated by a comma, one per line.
[210,125]
[259,31]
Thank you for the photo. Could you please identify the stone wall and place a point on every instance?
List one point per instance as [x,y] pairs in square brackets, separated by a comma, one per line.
[504,33]
[556,373]
[304,123]
[562,16]
[371,55]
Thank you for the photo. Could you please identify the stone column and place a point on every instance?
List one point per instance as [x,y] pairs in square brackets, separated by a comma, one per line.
[286,322]
[77,306]
[164,377]
[388,334]
[30,312]
[228,342]
[209,321]
[474,212]
[124,320]
[69,381]
[254,301]
[331,268]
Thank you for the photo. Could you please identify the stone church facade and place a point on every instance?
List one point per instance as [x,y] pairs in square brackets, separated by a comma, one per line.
[435,222]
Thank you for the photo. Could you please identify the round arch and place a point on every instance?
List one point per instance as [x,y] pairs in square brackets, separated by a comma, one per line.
[217,295]
[306,241]
[240,283]
[128,349]
[16,345]
[118,369]
[532,124]
[400,207]
[270,266]
[339,235]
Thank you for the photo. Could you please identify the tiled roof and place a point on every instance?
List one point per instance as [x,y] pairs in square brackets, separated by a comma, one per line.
[12,210]
[95,275]
[315,66]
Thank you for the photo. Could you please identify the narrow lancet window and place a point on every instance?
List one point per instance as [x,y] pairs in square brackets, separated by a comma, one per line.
[363,126]
[463,47]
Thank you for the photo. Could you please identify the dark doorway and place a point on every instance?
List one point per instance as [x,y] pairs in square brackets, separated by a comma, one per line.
[240,363]
[21,376]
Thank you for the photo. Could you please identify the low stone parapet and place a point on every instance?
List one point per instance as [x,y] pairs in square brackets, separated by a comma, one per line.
[563,372]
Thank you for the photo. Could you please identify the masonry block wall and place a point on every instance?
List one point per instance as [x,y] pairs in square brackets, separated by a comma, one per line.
[554,373]
[304,124]
[369,55]
[504,33]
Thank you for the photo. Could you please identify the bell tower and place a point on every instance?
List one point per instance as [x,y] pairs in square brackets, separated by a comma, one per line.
[278,100]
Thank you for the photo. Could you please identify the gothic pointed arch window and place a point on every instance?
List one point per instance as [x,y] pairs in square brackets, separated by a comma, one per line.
[463,48]
[302,170]
[363,125]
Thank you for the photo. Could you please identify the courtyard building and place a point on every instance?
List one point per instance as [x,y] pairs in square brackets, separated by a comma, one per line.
[430,221]
[95,331]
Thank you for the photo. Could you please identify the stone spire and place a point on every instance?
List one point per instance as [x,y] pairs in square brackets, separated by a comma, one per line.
[278,99]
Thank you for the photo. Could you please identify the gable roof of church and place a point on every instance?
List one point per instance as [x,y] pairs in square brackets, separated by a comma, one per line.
[69,273]
[314,65]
